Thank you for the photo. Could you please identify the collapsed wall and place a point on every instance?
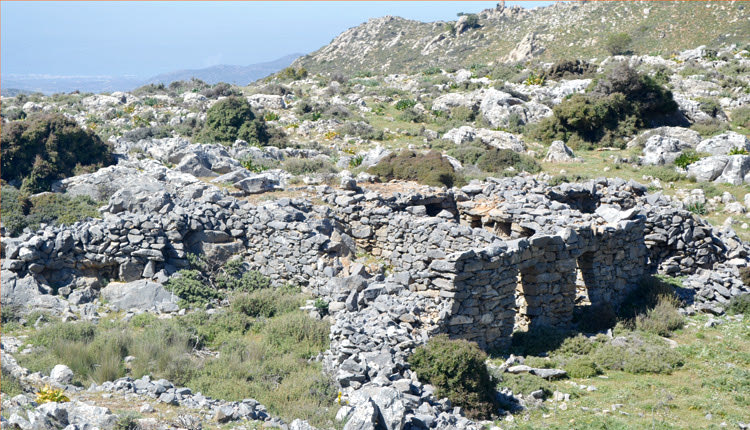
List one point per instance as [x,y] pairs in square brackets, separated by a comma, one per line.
[287,240]
[494,257]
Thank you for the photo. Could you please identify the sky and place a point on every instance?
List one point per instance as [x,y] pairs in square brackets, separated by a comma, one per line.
[142,39]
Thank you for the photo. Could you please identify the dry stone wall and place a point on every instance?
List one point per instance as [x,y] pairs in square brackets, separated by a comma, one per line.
[493,257]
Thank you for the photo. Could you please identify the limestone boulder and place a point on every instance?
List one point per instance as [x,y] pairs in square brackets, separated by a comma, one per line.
[708,169]
[724,143]
[660,150]
[559,152]
[141,295]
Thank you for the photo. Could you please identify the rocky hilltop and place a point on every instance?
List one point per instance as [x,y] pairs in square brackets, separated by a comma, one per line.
[508,34]
[314,251]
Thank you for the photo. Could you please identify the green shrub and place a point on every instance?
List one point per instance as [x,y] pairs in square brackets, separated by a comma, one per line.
[431,71]
[463,114]
[298,333]
[222,89]
[356,161]
[525,384]
[457,370]
[411,115]
[191,288]
[271,116]
[232,118]
[644,358]
[48,147]
[14,206]
[254,166]
[405,104]
[468,154]
[741,117]
[212,330]
[430,169]
[618,43]
[472,20]
[12,115]
[569,69]
[506,72]
[709,106]
[235,276]
[738,151]
[697,208]
[739,304]
[150,89]
[498,161]
[128,421]
[321,305]
[266,303]
[617,106]
[534,78]
[576,345]
[687,158]
[663,318]
[292,74]
[710,190]
[308,166]
[540,362]
[361,129]
[581,368]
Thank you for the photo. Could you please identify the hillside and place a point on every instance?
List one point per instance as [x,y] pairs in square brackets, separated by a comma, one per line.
[563,30]
[512,246]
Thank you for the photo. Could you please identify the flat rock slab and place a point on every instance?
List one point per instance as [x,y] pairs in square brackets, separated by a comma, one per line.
[139,295]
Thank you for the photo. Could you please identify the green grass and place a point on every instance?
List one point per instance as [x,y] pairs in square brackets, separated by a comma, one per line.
[715,379]
[264,341]
[10,385]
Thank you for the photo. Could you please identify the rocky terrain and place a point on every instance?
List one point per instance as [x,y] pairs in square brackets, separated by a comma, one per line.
[385,211]
[509,34]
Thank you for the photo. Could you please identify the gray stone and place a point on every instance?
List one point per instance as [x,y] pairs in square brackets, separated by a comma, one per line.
[559,152]
[137,295]
[256,184]
[548,373]
[224,413]
[724,143]
[61,374]
[364,417]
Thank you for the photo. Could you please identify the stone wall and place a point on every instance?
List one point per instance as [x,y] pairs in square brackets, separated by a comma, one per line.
[492,286]
[486,260]
[289,241]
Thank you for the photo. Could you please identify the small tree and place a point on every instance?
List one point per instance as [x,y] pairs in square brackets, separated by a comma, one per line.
[472,21]
[232,118]
[618,43]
